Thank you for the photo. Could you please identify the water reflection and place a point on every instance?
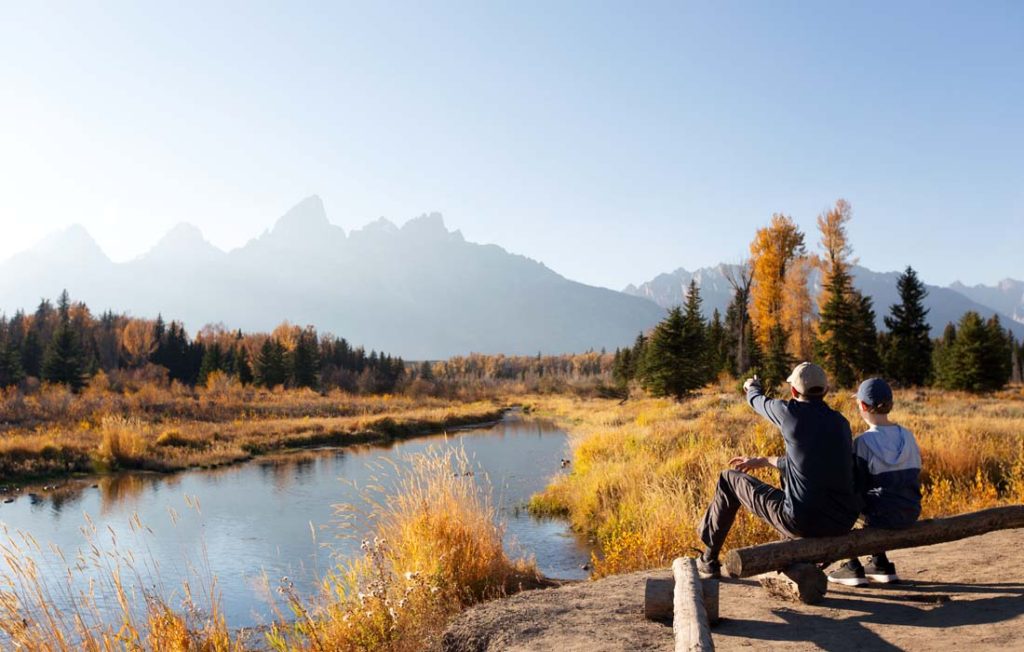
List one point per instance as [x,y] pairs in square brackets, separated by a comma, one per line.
[268,518]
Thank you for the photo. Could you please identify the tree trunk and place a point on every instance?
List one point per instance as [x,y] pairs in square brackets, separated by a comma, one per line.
[755,560]
[689,619]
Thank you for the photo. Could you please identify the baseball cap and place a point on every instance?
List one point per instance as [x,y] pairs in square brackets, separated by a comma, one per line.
[809,379]
[874,392]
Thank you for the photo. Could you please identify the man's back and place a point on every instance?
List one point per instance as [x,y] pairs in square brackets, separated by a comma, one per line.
[818,466]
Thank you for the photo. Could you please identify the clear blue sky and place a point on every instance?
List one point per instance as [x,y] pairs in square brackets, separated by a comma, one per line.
[611,141]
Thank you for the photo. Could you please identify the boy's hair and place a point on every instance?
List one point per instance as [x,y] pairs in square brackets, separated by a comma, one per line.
[881,408]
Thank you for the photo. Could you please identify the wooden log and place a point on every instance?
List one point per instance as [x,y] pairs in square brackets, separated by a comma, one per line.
[755,560]
[797,583]
[689,618]
[659,595]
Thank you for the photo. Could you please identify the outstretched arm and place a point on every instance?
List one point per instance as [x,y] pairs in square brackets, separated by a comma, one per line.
[772,409]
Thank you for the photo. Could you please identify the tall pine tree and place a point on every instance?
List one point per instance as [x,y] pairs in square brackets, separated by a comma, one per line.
[676,357]
[907,356]
[62,361]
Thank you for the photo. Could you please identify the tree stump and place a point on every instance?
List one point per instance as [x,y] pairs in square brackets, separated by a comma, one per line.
[804,583]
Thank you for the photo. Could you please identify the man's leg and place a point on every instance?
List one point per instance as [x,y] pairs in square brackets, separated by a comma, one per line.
[734,489]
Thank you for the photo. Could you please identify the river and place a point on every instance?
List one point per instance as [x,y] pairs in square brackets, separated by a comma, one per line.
[274,517]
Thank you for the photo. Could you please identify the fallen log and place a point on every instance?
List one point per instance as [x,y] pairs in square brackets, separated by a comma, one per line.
[659,594]
[689,618]
[755,560]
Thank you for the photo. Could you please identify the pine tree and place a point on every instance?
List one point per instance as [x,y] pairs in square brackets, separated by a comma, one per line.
[974,356]
[638,357]
[213,360]
[664,364]
[62,361]
[676,358]
[270,369]
[907,354]
[426,371]
[867,361]
[11,372]
[622,368]
[304,359]
[837,337]
[32,355]
[1017,363]
[242,367]
[997,359]
[697,351]
[718,345]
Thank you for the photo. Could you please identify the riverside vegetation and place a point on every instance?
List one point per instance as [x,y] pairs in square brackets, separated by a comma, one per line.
[644,471]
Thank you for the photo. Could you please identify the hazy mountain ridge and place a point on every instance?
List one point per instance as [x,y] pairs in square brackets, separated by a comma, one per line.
[946,304]
[419,290]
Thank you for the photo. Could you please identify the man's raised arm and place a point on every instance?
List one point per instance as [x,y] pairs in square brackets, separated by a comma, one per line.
[772,409]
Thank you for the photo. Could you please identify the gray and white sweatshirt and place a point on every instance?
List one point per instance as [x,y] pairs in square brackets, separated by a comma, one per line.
[887,469]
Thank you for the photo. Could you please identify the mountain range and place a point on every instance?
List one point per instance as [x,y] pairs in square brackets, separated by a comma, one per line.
[420,290]
[945,304]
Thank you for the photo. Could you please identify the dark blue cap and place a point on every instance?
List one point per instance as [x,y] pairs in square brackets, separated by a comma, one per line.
[874,392]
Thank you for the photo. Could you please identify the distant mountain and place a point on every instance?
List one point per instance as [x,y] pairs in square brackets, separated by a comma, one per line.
[420,290]
[945,304]
[1007,296]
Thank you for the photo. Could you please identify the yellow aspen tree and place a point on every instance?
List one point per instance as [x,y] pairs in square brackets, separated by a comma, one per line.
[772,251]
[798,308]
[835,245]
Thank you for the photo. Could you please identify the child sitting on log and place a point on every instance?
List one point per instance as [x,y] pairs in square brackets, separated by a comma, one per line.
[887,466]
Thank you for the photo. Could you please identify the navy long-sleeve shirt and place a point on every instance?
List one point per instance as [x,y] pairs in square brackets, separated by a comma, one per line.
[817,468]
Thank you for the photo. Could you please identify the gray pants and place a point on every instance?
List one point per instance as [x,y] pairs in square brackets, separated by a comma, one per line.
[736,488]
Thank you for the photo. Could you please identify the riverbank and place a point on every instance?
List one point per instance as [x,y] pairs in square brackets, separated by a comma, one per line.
[643,471]
[961,595]
[73,435]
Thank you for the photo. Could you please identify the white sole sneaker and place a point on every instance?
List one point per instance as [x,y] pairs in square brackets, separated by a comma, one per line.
[848,581]
[882,579]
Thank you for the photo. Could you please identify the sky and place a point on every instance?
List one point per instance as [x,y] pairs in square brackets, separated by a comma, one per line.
[612,141]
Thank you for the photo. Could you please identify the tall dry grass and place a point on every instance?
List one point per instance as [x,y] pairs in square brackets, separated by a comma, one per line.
[644,471]
[54,432]
[42,612]
[436,548]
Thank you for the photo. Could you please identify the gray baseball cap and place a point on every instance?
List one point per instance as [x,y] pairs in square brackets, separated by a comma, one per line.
[809,379]
[874,392]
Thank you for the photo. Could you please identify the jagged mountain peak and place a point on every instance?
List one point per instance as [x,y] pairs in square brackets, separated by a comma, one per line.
[306,217]
[380,225]
[429,226]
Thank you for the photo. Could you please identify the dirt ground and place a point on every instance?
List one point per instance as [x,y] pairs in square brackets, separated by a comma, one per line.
[965,595]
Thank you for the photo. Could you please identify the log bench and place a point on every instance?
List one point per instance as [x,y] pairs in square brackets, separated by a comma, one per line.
[793,569]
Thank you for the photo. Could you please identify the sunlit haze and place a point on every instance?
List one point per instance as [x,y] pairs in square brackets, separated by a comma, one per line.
[610,142]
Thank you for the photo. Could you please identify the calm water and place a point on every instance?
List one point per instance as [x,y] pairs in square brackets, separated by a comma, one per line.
[260,517]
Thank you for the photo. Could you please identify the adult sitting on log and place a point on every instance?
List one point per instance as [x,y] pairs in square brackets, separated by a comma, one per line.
[817,470]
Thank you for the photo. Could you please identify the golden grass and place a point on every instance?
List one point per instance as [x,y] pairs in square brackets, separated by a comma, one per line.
[54,432]
[437,548]
[49,614]
[644,471]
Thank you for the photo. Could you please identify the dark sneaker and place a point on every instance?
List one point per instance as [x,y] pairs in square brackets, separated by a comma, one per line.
[849,574]
[884,573]
[709,570]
